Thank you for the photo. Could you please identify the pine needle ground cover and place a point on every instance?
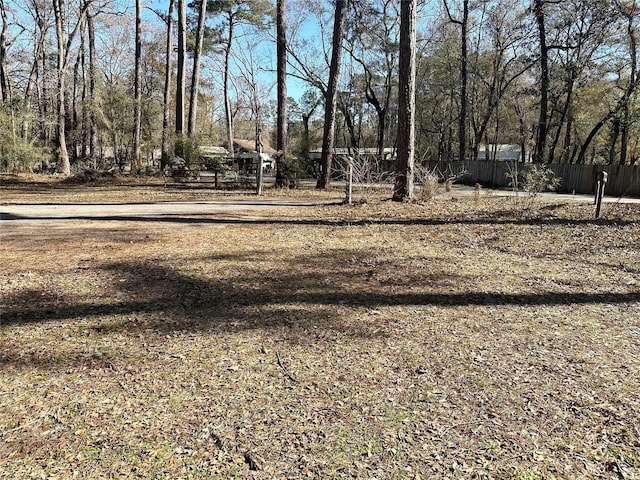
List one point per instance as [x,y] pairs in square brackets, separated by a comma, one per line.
[451,339]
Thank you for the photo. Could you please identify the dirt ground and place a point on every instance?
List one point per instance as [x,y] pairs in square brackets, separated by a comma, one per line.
[294,337]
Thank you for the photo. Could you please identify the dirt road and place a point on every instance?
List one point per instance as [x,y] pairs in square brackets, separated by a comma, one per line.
[137,211]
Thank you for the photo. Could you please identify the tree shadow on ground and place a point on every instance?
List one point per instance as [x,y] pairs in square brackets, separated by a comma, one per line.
[313,297]
[226,219]
[192,302]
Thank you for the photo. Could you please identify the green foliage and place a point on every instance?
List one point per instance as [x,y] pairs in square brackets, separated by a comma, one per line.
[188,149]
[17,154]
[290,170]
[539,178]
[188,159]
[533,180]
[215,164]
[526,474]
[253,12]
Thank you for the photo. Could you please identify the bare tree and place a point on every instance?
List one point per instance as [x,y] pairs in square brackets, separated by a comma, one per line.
[403,188]
[308,105]
[374,49]
[627,89]
[137,91]
[166,132]
[195,75]
[281,121]
[91,91]
[309,59]
[236,12]
[182,54]
[464,77]
[630,12]
[496,66]
[331,97]
[4,81]
[41,29]
[543,116]
[64,42]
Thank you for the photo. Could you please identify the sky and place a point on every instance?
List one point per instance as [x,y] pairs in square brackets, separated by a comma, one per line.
[266,60]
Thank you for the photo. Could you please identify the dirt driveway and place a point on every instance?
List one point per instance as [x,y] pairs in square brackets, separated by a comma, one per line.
[42,222]
[30,213]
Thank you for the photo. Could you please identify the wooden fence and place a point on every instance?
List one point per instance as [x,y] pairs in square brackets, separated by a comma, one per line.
[624,180]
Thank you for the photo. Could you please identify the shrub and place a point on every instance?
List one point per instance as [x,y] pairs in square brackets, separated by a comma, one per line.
[539,178]
[17,154]
[533,181]
[188,149]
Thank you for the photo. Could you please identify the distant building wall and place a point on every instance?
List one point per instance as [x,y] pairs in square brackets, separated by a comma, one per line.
[499,152]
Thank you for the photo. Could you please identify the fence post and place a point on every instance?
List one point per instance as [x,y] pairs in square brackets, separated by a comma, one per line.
[259,173]
[349,186]
[601,182]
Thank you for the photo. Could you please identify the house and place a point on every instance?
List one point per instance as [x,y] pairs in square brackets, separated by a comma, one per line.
[499,152]
[213,157]
[362,158]
[388,153]
[246,157]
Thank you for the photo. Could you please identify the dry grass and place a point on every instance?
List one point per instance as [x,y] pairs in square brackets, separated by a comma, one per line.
[445,340]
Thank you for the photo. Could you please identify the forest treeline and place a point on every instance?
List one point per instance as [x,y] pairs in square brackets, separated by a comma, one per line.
[130,84]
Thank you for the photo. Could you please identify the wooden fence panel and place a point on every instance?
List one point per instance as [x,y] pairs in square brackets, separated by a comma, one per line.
[624,180]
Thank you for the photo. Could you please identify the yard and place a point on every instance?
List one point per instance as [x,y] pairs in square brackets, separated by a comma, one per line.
[464,337]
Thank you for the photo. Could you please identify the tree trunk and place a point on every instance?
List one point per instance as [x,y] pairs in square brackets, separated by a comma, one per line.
[541,138]
[31,82]
[403,188]
[594,131]
[331,99]
[564,114]
[381,112]
[137,100]
[281,127]
[614,135]
[63,164]
[354,138]
[166,133]
[79,108]
[626,120]
[182,53]
[4,80]
[227,95]
[464,61]
[49,130]
[195,77]
[84,134]
[93,72]
[462,129]
[64,43]
[306,140]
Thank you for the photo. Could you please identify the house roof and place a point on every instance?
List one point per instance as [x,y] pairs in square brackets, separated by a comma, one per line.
[250,146]
[501,151]
[212,151]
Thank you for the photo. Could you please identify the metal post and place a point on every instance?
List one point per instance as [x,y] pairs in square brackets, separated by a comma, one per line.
[600,184]
[349,189]
[259,172]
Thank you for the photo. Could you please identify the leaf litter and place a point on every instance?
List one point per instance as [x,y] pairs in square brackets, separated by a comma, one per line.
[445,340]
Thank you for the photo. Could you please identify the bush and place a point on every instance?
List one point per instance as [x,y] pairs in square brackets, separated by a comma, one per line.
[17,154]
[533,181]
[539,179]
[188,149]
[429,179]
